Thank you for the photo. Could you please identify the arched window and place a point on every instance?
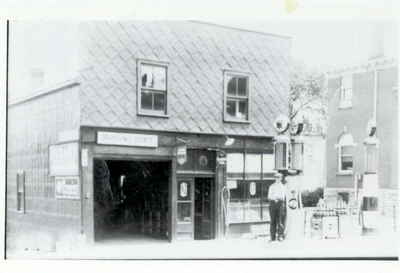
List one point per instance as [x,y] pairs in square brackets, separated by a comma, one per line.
[345,148]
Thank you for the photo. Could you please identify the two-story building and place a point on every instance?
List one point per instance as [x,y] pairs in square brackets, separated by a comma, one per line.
[362,137]
[157,129]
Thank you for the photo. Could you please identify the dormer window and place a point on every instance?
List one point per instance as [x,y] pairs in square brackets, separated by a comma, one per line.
[346,92]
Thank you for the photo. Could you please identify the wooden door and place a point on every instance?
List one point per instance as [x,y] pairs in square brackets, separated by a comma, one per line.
[204,209]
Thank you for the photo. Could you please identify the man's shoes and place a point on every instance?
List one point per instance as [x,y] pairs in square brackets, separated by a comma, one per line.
[271,241]
[280,238]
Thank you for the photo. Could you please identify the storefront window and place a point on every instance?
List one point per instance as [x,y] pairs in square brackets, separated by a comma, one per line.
[248,187]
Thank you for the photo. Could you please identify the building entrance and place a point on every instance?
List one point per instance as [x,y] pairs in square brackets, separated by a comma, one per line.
[131,199]
[203,209]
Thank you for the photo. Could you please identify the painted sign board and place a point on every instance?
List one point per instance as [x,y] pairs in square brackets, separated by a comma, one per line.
[67,187]
[64,159]
[127,139]
[181,154]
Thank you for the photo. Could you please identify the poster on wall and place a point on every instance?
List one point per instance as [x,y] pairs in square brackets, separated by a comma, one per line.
[64,159]
[67,187]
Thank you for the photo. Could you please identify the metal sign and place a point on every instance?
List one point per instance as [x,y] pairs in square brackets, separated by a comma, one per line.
[64,159]
[252,188]
[231,184]
[67,187]
[183,189]
[181,154]
[126,139]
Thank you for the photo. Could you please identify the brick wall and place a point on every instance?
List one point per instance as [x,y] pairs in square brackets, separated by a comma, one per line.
[387,114]
[355,119]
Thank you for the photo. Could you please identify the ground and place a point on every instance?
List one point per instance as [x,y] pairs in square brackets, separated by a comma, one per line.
[381,245]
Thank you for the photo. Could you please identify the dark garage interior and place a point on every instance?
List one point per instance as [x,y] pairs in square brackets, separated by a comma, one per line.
[131,199]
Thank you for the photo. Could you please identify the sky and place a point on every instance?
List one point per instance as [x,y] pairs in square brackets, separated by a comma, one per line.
[329,43]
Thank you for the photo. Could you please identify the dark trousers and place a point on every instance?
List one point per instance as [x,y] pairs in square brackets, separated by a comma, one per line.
[277,215]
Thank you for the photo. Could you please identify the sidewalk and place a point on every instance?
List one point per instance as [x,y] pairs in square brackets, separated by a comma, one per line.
[356,247]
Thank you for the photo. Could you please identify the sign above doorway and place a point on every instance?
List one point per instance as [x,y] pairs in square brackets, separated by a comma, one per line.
[126,139]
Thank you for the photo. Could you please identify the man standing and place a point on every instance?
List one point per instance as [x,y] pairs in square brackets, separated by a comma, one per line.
[276,197]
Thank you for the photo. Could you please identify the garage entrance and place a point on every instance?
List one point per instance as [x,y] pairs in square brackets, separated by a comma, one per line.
[131,199]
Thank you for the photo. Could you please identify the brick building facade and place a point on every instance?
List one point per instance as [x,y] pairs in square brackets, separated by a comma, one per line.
[357,96]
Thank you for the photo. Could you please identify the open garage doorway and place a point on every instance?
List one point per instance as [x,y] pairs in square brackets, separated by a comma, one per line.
[131,200]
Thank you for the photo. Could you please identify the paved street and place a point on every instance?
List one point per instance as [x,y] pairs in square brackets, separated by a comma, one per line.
[360,246]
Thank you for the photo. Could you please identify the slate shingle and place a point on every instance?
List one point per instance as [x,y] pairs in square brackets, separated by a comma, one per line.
[197,55]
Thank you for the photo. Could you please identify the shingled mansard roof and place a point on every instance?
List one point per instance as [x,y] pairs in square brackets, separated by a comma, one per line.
[197,54]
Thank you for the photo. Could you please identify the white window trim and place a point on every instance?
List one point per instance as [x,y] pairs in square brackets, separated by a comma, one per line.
[227,73]
[152,113]
[345,102]
[340,170]
[339,155]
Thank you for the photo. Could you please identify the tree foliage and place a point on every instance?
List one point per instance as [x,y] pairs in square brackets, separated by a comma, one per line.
[307,102]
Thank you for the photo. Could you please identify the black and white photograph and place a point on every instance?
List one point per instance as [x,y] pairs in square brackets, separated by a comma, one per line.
[214,139]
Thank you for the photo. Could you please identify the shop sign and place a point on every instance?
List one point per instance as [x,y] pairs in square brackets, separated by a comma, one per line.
[181,154]
[252,188]
[203,161]
[183,189]
[232,184]
[126,139]
[67,187]
[64,159]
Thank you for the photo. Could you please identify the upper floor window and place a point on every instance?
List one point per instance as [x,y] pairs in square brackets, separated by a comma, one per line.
[152,88]
[236,90]
[345,154]
[346,92]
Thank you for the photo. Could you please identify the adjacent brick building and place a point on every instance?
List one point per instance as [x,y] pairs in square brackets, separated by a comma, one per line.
[358,95]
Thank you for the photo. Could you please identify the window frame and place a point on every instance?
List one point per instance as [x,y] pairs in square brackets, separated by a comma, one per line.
[342,143]
[344,101]
[233,73]
[147,112]
[244,200]
[340,170]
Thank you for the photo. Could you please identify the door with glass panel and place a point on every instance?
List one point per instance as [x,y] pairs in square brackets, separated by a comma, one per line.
[185,208]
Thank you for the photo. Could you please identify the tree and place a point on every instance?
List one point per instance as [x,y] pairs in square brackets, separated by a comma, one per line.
[307,102]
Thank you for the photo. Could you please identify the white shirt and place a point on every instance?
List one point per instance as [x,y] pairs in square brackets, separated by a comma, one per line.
[277,191]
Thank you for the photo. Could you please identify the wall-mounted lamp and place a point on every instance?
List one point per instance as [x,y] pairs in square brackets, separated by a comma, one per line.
[229,141]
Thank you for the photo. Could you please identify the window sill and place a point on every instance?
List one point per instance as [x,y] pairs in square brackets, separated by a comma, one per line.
[345,106]
[154,115]
[250,222]
[344,173]
[237,121]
